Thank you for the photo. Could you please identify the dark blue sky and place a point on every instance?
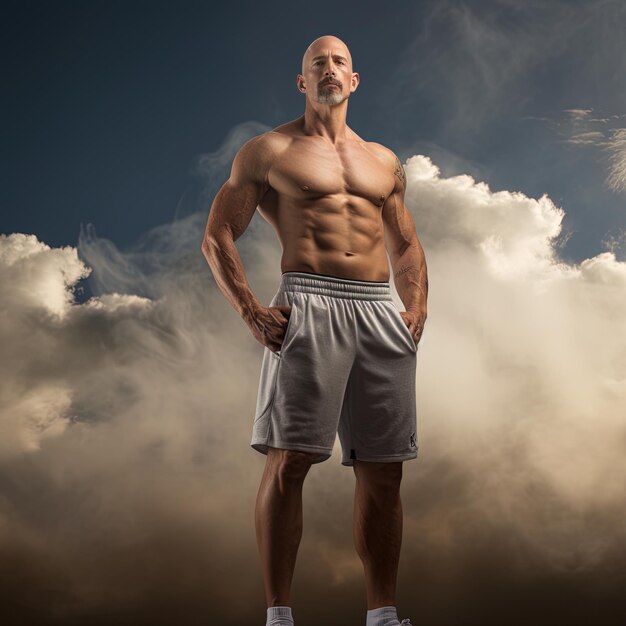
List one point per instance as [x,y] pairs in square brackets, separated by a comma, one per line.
[108,105]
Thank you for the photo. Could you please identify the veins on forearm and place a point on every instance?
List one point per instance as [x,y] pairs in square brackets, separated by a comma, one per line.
[411,281]
[406,279]
[230,277]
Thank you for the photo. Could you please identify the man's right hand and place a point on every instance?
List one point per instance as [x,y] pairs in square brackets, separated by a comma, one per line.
[269,325]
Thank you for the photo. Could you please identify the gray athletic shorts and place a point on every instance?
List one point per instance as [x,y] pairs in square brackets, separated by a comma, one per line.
[347,365]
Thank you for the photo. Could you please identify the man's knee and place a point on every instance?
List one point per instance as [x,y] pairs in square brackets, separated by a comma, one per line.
[383,475]
[290,463]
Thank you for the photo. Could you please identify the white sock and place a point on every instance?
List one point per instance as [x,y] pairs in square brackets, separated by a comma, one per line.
[279,616]
[383,616]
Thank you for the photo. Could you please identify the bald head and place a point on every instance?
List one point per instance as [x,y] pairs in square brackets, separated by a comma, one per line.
[323,45]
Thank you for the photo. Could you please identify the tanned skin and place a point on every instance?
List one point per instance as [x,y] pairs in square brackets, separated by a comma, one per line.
[336,202]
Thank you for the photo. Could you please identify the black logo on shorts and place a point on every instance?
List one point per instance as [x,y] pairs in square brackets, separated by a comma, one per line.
[413,440]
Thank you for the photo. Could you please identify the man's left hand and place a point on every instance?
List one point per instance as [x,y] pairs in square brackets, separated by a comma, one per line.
[415,323]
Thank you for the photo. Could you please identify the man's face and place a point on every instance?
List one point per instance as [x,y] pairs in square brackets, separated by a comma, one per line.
[328,74]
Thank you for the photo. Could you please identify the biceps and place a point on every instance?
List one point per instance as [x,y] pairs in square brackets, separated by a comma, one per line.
[233,208]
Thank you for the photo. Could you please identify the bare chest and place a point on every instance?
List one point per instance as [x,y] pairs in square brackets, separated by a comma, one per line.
[311,169]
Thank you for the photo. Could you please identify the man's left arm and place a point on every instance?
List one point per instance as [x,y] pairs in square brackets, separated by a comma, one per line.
[406,254]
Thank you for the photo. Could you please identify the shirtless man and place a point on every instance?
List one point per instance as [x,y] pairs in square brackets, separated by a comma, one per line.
[339,356]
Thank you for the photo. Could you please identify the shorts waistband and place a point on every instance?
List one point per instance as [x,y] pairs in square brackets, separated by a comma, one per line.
[334,286]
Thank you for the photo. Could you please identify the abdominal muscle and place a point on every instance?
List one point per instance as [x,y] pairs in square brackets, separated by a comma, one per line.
[335,239]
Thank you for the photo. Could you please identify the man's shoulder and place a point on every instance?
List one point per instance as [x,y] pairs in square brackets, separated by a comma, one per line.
[264,148]
[384,152]
[386,155]
[391,160]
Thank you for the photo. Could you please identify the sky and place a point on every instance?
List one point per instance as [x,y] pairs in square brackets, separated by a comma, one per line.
[128,383]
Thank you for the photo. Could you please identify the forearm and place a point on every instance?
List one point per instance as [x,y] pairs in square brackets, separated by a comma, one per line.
[225,263]
[410,277]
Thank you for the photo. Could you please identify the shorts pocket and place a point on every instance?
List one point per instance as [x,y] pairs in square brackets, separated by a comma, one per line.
[290,323]
[405,328]
[271,360]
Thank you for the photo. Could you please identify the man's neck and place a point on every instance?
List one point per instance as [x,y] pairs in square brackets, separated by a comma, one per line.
[328,122]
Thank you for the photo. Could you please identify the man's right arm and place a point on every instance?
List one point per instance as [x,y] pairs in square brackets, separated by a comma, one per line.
[231,212]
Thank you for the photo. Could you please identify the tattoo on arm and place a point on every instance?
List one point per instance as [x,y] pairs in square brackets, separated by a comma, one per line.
[399,171]
[403,270]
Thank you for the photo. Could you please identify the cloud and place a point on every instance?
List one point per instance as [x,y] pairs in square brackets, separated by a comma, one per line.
[128,483]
